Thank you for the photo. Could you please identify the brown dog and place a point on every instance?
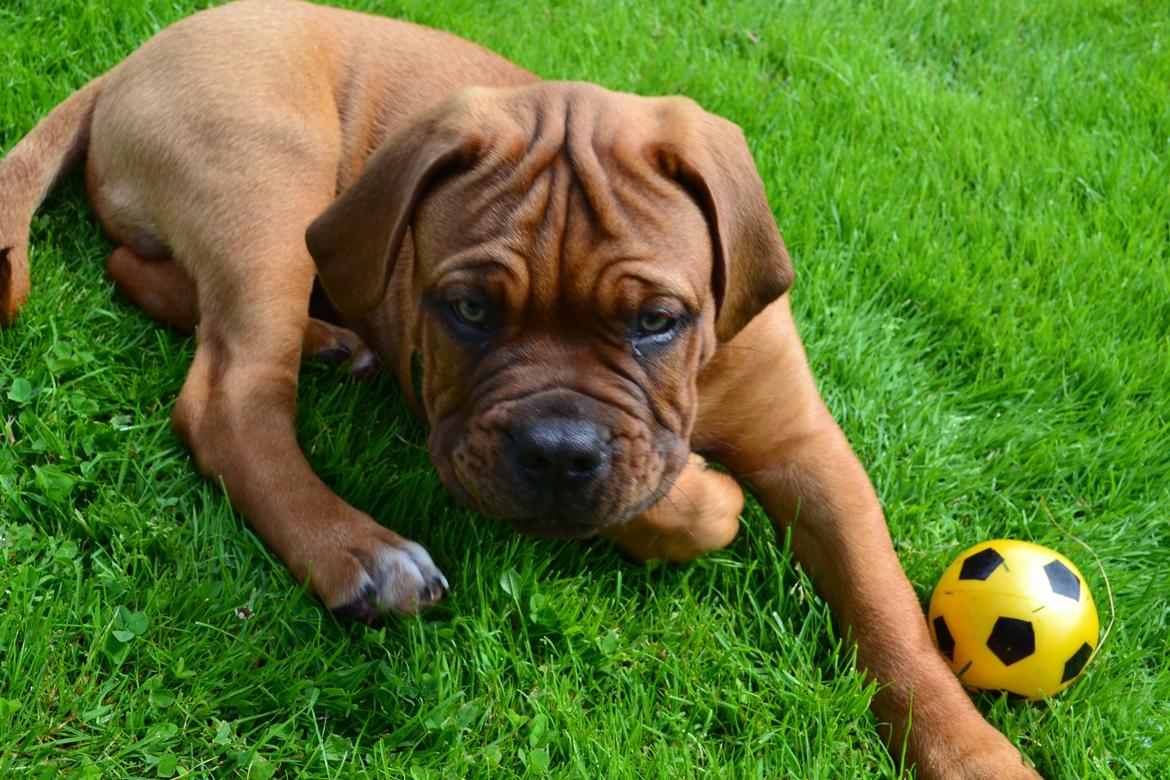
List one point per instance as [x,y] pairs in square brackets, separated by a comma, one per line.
[592,282]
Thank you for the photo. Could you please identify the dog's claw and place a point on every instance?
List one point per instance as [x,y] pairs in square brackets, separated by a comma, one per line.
[433,591]
[364,365]
[363,609]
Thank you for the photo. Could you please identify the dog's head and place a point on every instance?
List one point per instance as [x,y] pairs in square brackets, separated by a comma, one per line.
[576,256]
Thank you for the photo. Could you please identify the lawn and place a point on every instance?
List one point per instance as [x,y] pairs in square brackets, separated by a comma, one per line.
[977,198]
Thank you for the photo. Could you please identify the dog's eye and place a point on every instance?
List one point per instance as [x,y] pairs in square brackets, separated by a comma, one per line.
[469,312]
[654,323]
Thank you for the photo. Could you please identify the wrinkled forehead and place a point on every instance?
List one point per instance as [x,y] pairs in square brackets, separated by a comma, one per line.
[566,211]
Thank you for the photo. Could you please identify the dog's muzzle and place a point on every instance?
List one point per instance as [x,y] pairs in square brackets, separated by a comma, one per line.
[556,463]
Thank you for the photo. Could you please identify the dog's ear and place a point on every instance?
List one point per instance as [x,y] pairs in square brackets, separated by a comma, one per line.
[709,156]
[356,241]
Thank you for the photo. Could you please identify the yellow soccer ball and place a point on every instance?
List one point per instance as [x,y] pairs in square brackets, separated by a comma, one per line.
[1014,616]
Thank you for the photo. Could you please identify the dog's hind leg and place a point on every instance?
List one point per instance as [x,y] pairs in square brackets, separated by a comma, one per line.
[165,291]
[160,287]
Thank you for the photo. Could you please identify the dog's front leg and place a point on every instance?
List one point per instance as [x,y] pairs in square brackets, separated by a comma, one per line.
[762,416]
[236,414]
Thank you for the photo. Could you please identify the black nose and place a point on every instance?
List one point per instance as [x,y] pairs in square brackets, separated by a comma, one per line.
[560,453]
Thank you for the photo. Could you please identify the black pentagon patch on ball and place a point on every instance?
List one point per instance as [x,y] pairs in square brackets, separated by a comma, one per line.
[980,565]
[1012,640]
[1063,581]
[1074,665]
[942,634]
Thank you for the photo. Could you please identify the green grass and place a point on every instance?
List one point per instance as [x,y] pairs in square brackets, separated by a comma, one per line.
[977,196]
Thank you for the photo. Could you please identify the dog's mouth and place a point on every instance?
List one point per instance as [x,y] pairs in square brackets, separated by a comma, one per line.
[544,519]
[562,524]
[481,478]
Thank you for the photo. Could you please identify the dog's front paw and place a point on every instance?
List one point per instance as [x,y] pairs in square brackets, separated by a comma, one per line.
[698,515]
[386,573]
[996,759]
[978,752]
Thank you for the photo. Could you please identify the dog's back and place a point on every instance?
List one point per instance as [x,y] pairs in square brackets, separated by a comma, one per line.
[205,111]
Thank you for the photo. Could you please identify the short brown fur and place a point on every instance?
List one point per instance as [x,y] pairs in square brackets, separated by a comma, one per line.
[421,166]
